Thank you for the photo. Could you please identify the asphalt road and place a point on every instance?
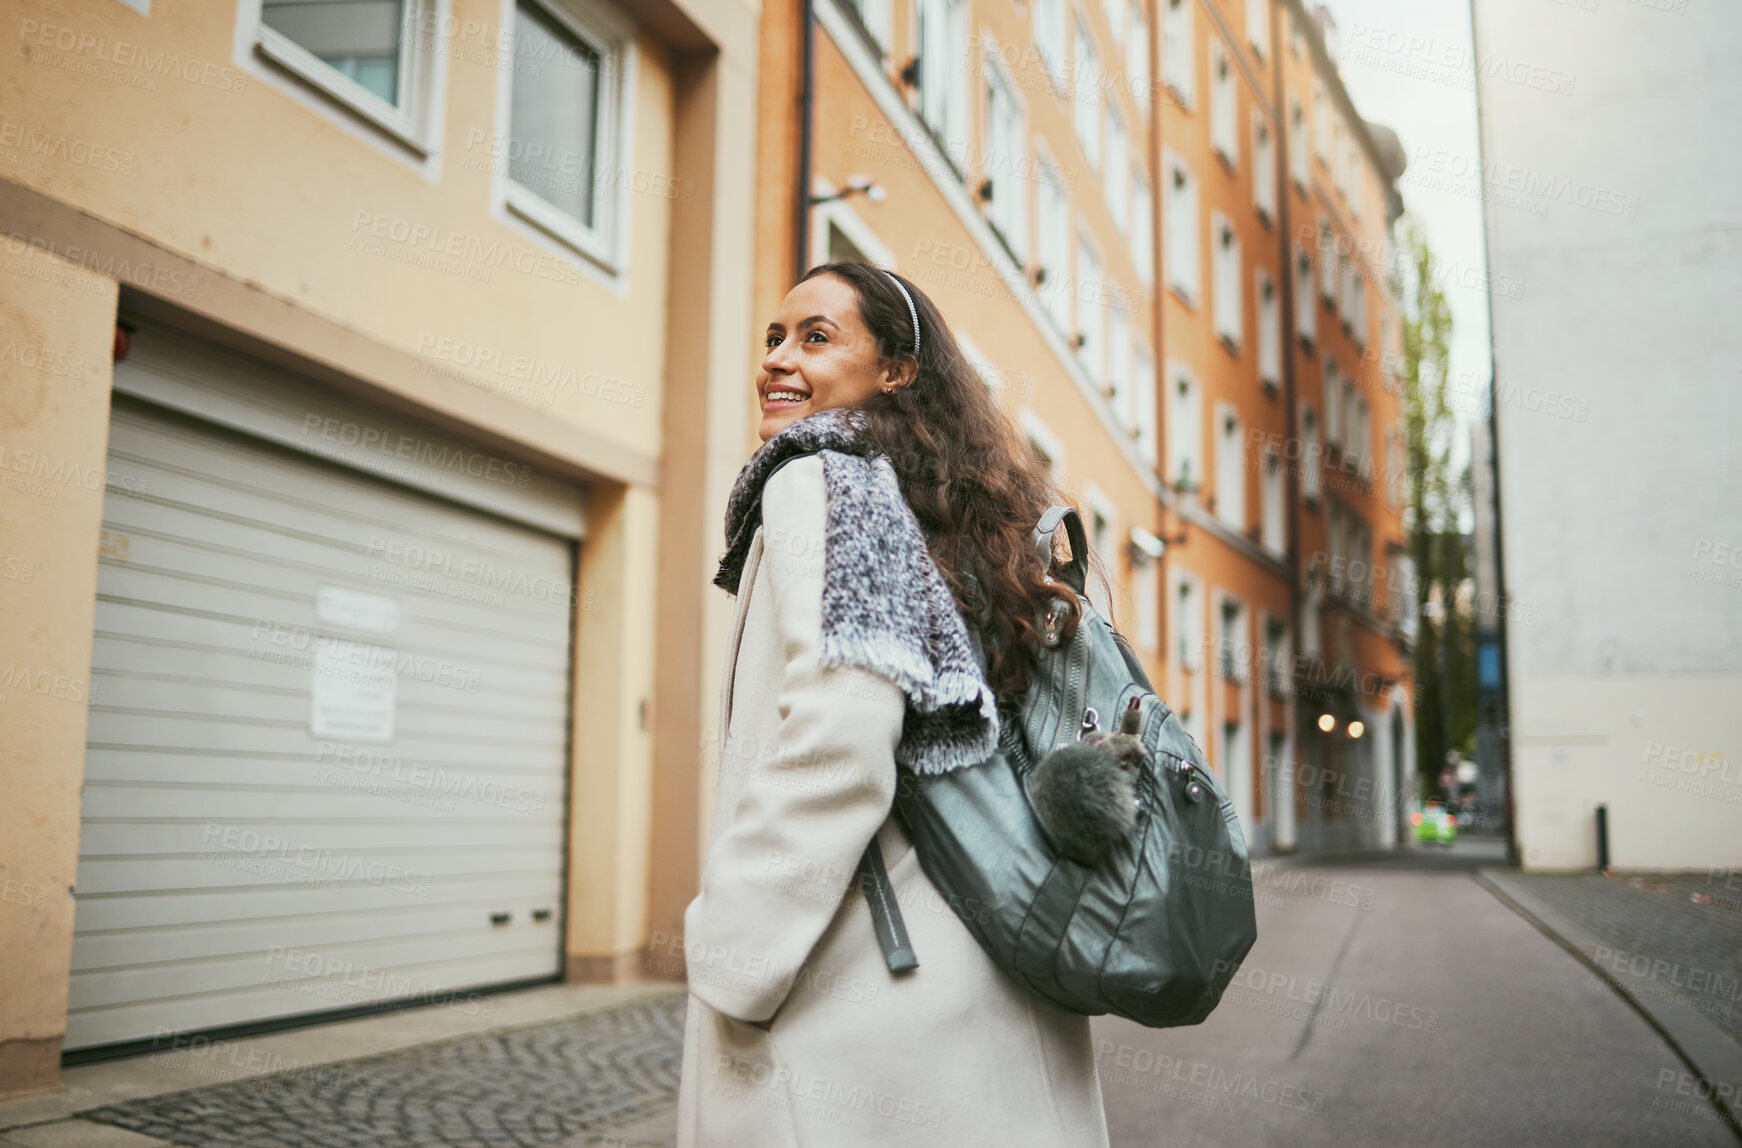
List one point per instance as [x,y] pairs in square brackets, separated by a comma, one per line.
[1396,1002]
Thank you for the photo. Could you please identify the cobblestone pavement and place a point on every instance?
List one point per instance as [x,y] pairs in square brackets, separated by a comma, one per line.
[1691,923]
[532,1085]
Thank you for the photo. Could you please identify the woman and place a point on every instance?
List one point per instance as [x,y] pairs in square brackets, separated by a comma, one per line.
[798,1033]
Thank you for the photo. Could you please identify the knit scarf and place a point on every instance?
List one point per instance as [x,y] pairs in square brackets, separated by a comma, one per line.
[886,607]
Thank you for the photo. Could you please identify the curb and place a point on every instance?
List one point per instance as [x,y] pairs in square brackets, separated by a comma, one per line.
[1711,1054]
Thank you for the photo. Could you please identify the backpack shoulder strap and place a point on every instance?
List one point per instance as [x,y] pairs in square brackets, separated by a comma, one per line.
[1075,575]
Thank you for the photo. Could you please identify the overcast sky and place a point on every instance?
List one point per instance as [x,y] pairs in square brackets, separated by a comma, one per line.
[1409,65]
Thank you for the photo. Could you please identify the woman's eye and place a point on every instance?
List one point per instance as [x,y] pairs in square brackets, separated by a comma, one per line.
[817,335]
[771,341]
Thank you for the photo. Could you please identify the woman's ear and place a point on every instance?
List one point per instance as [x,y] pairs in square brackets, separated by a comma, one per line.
[901,371]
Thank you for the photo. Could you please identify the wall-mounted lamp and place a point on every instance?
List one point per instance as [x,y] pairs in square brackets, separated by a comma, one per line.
[1357,728]
[1145,547]
[1327,722]
[856,185]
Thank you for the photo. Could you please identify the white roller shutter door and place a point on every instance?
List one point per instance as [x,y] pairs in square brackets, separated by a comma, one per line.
[328,743]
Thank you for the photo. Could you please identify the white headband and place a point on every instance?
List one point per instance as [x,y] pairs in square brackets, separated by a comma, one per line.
[911,310]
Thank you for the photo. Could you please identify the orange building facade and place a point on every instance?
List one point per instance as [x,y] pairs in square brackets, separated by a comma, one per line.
[1162,231]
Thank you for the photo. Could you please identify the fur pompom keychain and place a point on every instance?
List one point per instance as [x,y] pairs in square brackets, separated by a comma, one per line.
[1085,793]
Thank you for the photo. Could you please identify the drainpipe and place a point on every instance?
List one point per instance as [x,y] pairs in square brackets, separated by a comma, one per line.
[807,95]
[1291,348]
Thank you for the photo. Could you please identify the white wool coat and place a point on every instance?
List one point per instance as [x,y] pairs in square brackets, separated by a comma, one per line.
[953,1053]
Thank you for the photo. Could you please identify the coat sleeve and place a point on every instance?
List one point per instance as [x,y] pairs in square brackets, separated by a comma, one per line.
[779,868]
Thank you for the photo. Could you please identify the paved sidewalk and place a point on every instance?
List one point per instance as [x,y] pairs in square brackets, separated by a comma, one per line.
[607,1075]
[1669,943]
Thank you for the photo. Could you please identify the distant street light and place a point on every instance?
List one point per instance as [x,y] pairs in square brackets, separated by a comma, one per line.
[1356,728]
[1327,722]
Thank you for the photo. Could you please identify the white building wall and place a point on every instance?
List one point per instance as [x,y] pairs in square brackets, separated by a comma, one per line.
[1611,157]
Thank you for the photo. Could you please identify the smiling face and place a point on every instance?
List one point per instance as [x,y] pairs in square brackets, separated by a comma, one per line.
[820,354]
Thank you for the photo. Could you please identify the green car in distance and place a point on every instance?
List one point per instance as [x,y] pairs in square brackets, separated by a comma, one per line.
[1434,823]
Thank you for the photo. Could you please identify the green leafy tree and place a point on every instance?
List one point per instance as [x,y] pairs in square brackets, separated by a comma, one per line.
[1445,631]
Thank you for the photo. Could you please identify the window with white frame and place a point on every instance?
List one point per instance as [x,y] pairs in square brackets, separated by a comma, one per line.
[1054,234]
[1350,434]
[1225,278]
[874,17]
[1230,468]
[1103,530]
[563,125]
[1263,167]
[1233,651]
[1305,314]
[1394,471]
[1049,38]
[1086,94]
[1296,34]
[1276,659]
[1146,589]
[1346,289]
[1269,330]
[1118,162]
[1115,10]
[1006,159]
[1137,54]
[1311,454]
[1118,389]
[1258,26]
[1143,228]
[1297,143]
[1338,567]
[983,366]
[1321,121]
[1224,105]
[1091,314]
[1309,624]
[1143,399]
[1179,51]
[1188,624]
[943,44]
[1270,504]
[1185,425]
[1362,437]
[367,53]
[1358,308]
[1333,404]
[1340,155]
[1184,269]
[1047,446]
[1327,266]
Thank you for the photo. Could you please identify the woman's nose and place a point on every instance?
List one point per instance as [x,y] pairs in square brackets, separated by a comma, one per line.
[779,357]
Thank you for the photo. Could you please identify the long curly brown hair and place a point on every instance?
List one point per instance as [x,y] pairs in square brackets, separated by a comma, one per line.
[972,480]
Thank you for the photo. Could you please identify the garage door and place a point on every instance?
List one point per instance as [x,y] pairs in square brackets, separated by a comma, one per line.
[328,740]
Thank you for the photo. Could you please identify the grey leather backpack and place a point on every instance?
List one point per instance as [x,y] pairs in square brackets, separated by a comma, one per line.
[1154,927]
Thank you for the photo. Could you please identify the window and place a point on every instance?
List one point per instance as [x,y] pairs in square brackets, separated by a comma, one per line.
[1394,471]
[1119,366]
[1346,288]
[1137,56]
[1333,404]
[874,17]
[1224,105]
[1054,226]
[1006,158]
[1049,38]
[1143,228]
[1090,313]
[1358,307]
[1234,648]
[1258,26]
[1188,625]
[942,78]
[1321,121]
[1276,661]
[367,53]
[1327,266]
[1230,469]
[1361,436]
[1269,331]
[1115,10]
[1349,437]
[1179,51]
[1340,155]
[1263,167]
[1183,266]
[1046,445]
[1225,280]
[562,128]
[1185,435]
[1103,529]
[1146,589]
[1305,314]
[1143,403]
[1310,454]
[1118,163]
[1086,96]
[1297,144]
[1270,504]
